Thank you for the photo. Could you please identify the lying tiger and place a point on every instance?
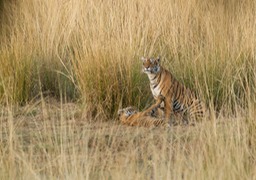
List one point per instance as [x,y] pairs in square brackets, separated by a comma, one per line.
[178,100]
[132,117]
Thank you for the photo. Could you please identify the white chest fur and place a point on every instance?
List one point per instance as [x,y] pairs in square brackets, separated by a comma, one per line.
[155,92]
[155,89]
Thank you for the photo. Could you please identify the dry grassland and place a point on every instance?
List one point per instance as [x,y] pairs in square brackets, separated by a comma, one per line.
[66,66]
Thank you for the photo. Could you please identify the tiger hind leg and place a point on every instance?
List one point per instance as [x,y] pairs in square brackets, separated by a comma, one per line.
[196,112]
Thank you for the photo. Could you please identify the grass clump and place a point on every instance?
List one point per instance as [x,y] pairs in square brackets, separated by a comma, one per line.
[56,52]
[90,51]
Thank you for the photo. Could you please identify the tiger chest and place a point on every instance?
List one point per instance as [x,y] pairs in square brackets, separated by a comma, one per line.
[155,91]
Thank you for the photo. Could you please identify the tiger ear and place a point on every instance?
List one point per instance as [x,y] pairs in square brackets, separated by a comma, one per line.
[158,59]
[120,111]
[143,59]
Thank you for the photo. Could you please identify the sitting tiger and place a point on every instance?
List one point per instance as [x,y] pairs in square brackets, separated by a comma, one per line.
[179,100]
[132,117]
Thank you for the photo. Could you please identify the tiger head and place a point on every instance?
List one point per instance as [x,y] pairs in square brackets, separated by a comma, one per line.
[150,65]
[127,111]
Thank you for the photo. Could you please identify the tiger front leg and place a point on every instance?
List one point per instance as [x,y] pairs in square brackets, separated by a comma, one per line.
[168,109]
[154,107]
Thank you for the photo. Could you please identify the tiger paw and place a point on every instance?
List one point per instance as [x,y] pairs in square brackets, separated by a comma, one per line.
[161,97]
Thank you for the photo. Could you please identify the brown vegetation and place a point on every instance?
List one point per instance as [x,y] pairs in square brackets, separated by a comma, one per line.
[88,52]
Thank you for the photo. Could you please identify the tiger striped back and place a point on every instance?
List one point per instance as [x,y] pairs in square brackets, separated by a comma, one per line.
[132,117]
[178,99]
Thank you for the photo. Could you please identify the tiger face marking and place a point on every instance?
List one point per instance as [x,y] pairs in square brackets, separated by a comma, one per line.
[150,65]
[127,111]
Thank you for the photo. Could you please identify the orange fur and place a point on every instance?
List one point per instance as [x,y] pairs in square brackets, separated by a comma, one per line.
[132,117]
[179,100]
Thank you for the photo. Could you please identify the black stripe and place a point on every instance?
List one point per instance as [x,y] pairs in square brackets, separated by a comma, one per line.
[155,86]
[161,91]
[167,93]
[159,79]
[154,78]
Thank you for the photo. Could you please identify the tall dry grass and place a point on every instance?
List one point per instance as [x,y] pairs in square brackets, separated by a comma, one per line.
[46,140]
[89,51]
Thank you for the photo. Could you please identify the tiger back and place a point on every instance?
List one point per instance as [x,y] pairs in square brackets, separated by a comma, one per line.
[132,117]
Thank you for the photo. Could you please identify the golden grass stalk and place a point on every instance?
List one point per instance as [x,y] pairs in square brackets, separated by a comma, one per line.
[94,48]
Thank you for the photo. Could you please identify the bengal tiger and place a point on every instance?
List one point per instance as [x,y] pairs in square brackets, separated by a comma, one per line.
[178,100]
[132,117]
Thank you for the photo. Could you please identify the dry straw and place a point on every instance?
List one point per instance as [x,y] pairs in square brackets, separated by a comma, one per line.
[88,51]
